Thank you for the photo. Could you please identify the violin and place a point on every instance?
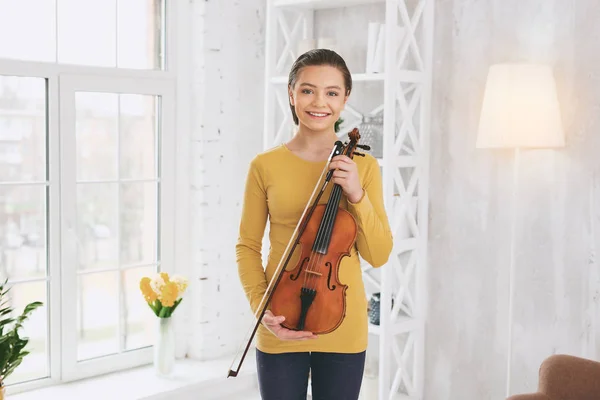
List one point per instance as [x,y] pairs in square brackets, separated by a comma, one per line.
[310,295]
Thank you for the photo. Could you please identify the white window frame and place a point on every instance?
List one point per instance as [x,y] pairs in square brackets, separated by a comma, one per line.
[173,83]
[69,85]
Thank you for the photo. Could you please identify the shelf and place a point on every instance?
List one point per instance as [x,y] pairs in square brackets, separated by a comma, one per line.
[403,324]
[402,161]
[403,76]
[367,77]
[355,78]
[323,4]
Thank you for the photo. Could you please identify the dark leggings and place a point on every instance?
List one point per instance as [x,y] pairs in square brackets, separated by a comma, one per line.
[334,376]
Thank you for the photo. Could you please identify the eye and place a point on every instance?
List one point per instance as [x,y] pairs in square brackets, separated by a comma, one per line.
[333,93]
[306,91]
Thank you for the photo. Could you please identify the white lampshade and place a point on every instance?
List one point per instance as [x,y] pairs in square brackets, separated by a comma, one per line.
[520,108]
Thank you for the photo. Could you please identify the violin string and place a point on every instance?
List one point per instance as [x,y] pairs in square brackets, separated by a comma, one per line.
[320,239]
[314,260]
[307,269]
[308,276]
[311,280]
[328,222]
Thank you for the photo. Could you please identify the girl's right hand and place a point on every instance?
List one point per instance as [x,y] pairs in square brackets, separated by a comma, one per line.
[273,324]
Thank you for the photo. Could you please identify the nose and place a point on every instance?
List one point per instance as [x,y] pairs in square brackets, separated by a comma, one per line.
[319,100]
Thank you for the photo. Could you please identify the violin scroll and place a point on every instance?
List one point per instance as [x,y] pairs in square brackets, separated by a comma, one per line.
[354,136]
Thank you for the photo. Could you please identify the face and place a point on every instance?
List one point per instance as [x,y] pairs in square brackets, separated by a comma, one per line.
[319,96]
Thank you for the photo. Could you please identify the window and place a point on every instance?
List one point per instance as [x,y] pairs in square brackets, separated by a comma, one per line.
[24,214]
[110,33]
[87,177]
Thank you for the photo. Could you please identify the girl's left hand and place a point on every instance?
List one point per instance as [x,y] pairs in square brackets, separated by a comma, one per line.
[345,174]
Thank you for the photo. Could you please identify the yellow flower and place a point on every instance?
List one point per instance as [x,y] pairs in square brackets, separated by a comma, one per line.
[164,276]
[157,283]
[147,291]
[182,283]
[169,294]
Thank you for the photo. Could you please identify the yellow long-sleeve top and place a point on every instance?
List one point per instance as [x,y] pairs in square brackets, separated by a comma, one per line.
[279,185]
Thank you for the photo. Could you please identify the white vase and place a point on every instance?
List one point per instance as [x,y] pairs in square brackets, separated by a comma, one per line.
[164,348]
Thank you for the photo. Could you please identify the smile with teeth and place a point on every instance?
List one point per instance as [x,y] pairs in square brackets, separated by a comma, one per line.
[318,115]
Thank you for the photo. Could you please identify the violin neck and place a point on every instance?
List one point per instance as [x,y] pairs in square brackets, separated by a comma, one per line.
[321,244]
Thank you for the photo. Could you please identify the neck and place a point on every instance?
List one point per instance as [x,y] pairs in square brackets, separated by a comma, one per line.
[312,140]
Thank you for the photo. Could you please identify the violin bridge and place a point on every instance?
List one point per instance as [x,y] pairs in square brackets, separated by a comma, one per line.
[313,272]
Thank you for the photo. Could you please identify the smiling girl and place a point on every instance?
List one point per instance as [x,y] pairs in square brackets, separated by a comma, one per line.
[278,187]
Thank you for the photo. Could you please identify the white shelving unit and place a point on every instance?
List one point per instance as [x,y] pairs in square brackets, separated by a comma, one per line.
[405,104]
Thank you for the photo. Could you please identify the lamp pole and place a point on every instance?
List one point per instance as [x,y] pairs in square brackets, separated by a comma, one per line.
[511,268]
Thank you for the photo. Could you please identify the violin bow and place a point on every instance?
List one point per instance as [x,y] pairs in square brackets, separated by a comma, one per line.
[294,240]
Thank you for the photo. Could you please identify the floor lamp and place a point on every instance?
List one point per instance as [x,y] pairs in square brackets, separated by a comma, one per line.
[520,111]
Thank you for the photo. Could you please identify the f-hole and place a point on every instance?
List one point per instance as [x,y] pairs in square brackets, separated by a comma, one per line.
[292,277]
[329,277]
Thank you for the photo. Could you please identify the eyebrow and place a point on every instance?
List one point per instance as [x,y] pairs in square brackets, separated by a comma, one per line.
[328,87]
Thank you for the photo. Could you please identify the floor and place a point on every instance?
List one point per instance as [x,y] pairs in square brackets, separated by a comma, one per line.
[247,396]
[369,392]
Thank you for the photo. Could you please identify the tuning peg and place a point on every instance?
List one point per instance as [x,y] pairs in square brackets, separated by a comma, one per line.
[359,154]
[363,146]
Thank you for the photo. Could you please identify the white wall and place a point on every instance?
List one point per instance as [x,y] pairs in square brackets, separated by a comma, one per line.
[227,85]
[556,291]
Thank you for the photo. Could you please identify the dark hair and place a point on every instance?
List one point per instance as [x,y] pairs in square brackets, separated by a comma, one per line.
[318,57]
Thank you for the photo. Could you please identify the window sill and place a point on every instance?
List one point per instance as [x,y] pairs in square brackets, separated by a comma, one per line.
[189,378]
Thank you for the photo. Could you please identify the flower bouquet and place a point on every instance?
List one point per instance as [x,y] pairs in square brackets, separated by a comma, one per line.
[163,294]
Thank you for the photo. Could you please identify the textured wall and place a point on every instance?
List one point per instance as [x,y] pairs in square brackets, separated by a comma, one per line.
[556,283]
[556,291]
[227,82]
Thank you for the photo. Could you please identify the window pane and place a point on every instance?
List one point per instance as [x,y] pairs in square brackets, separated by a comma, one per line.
[87,32]
[139,34]
[35,364]
[115,33]
[138,223]
[139,325]
[97,224]
[106,33]
[22,231]
[96,135]
[138,136]
[97,315]
[28,30]
[23,129]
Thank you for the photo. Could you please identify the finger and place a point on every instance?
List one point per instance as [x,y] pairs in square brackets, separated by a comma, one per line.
[338,166]
[344,166]
[274,321]
[339,181]
[296,335]
[270,319]
[342,158]
[333,165]
[345,160]
[338,173]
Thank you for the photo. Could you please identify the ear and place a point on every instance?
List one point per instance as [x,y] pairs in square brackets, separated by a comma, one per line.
[291,97]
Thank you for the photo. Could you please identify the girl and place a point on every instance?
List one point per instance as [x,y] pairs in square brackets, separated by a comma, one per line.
[278,187]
